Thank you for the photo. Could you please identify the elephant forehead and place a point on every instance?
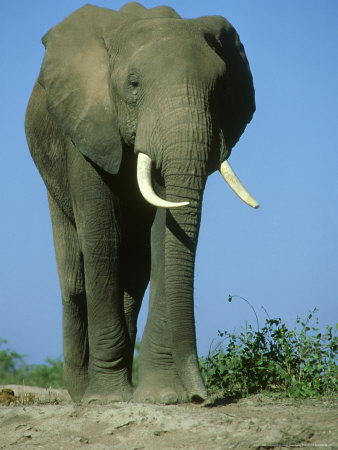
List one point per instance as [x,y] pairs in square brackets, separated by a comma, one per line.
[173,46]
[166,30]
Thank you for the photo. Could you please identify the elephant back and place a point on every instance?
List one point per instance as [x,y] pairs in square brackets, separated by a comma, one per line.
[137,10]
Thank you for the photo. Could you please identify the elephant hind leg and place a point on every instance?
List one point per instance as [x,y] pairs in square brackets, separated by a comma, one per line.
[136,274]
[75,326]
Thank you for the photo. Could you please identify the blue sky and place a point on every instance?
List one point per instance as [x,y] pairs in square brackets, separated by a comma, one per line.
[283,256]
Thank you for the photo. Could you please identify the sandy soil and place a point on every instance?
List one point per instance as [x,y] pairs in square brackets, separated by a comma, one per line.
[48,419]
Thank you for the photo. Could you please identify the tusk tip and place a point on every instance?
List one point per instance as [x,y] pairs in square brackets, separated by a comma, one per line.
[255,205]
[177,205]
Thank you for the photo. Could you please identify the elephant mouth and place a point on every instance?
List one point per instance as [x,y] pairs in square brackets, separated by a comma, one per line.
[146,188]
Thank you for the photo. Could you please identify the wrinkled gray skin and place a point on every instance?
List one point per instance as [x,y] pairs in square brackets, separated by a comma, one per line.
[113,84]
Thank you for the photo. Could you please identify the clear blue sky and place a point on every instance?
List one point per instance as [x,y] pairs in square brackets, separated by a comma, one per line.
[283,256]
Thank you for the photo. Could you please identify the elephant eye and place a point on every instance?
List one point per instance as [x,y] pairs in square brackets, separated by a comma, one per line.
[133,80]
[132,88]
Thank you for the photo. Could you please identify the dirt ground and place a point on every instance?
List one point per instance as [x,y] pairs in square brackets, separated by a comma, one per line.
[48,419]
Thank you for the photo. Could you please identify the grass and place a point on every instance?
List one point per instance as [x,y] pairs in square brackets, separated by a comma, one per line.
[296,362]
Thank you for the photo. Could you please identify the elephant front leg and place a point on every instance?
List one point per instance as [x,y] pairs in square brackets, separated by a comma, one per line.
[158,378]
[98,228]
[109,343]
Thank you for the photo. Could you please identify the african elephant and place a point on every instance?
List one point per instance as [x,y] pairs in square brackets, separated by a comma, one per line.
[131,112]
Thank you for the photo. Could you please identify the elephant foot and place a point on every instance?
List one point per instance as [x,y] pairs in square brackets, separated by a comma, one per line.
[103,397]
[159,387]
[108,388]
[76,381]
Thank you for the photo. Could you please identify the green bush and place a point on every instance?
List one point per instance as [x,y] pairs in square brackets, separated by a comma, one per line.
[46,375]
[14,370]
[135,361]
[12,365]
[293,362]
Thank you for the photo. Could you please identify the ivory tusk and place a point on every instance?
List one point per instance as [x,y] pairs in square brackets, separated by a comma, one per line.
[231,178]
[146,188]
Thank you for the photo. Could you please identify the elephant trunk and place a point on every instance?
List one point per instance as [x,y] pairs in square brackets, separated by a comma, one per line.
[182,227]
[185,138]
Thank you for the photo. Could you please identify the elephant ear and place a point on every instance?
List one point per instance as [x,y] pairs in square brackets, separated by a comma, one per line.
[237,104]
[76,77]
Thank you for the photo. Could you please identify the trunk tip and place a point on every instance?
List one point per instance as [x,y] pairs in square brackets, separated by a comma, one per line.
[198,397]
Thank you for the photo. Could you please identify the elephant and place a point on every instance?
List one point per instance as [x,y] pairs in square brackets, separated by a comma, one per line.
[131,112]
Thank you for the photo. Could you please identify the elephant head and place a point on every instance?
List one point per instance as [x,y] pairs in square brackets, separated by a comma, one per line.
[109,74]
[179,94]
